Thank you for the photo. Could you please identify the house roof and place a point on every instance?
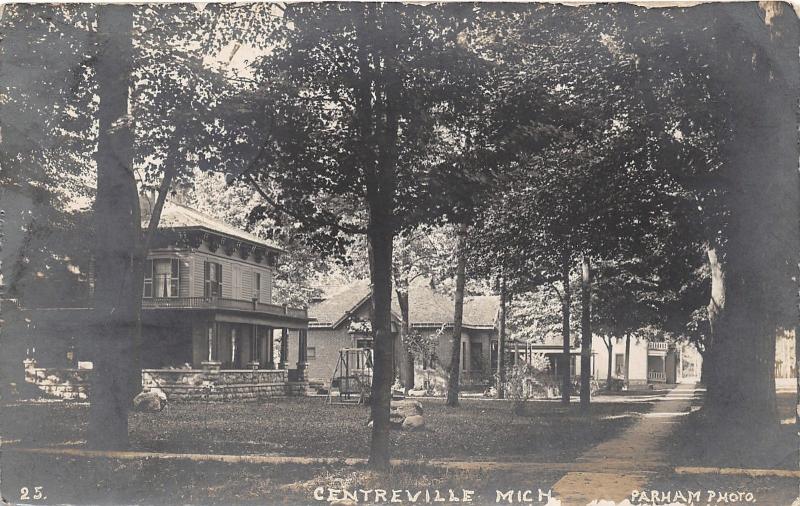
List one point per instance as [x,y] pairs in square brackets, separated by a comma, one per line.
[177,216]
[427,307]
[337,302]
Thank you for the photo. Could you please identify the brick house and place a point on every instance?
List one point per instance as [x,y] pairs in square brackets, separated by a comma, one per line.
[338,317]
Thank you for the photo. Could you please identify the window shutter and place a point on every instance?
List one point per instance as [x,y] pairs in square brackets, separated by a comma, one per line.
[218,289]
[147,290]
[175,277]
[206,279]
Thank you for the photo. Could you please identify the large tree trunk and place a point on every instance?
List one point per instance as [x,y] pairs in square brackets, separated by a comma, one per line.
[566,303]
[586,333]
[118,230]
[501,342]
[458,314]
[380,245]
[13,337]
[752,292]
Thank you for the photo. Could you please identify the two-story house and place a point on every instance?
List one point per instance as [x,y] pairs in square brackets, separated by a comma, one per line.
[207,297]
[210,325]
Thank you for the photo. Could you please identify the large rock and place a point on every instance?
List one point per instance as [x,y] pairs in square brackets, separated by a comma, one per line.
[406,407]
[399,411]
[150,402]
[417,393]
[413,422]
[396,420]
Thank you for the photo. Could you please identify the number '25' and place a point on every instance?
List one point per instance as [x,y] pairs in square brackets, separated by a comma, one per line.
[25,494]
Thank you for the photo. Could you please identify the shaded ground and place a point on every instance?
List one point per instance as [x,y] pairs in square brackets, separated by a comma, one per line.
[703,442]
[698,442]
[107,481]
[480,430]
[296,426]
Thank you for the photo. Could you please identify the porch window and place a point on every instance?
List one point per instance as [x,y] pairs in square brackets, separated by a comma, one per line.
[311,352]
[162,278]
[361,360]
[620,365]
[463,356]
[476,356]
[212,280]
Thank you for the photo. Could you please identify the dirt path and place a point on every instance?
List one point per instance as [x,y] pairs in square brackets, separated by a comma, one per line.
[641,443]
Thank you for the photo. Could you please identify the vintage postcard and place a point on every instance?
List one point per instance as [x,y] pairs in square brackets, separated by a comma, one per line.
[344,253]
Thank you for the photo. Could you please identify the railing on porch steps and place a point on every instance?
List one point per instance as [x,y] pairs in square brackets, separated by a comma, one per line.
[222,303]
[657,346]
[656,376]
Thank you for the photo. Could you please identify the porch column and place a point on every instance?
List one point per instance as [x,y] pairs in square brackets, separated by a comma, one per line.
[270,348]
[302,355]
[255,347]
[284,348]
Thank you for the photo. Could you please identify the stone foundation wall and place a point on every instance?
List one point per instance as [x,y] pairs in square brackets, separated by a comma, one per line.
[68,384]
[178,384]
[201,385]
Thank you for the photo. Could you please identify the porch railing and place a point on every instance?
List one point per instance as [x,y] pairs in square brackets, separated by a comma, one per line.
[656,376]
[658,346]
[222,303]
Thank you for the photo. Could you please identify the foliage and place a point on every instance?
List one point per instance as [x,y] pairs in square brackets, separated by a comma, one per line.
[423,346]
[527,380]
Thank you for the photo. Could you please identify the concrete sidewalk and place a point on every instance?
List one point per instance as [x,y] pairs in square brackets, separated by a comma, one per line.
[639,446]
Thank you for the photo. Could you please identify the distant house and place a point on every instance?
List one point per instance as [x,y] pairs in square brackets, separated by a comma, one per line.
[207,306]
[338,321]
[650,361]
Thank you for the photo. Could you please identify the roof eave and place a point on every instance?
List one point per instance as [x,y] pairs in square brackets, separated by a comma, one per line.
[227,236]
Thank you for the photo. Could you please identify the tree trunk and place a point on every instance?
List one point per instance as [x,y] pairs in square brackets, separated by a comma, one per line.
[610,347]
[627,361]
[586,333]
[501,342]
[566,302]
[380,245]
[754,265]
[744,348]
[458,313]
[118,231]
[13,337]
[406,358]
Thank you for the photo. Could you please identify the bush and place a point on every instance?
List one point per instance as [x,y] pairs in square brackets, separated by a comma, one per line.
[528,380]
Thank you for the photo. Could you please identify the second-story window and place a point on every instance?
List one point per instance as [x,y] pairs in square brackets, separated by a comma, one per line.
[213,279]
[162,278]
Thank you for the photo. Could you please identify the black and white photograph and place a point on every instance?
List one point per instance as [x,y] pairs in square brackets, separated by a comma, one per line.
[347,253]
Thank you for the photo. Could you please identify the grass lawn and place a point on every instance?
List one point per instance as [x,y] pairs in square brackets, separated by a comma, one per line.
[479,429]
[546,432]
[109,481]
